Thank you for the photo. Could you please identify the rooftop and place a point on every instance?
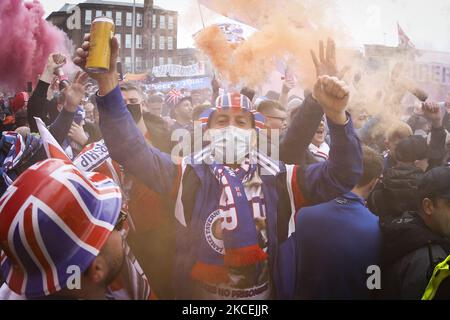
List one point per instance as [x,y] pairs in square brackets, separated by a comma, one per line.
[113,3]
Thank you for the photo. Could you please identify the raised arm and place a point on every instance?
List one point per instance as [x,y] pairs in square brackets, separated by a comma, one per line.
[299,134]
[340,173]
[38,100]
[435,113]
[125,142]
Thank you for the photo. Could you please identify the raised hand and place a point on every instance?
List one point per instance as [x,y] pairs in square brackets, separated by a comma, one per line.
[74,93]
[434,113]
[333,95]
[77,134]
[54,62]
[326,63]
[106,81]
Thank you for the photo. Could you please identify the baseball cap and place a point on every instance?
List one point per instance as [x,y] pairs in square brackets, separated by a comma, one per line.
[412,148]
[436,183]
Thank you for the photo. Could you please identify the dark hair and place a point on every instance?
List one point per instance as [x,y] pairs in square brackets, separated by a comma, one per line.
[249,93]
[198,110]
[272,95]
[266,105]
[411,148]
[155,99]
[174,108]
[130,87]
[372,166]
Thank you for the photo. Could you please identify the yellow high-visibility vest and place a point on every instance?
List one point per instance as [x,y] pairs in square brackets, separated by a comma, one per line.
[440,272]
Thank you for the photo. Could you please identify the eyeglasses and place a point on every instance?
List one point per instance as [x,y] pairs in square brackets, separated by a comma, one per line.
[120,221]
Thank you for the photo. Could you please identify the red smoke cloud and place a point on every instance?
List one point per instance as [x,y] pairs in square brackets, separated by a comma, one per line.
[27,40]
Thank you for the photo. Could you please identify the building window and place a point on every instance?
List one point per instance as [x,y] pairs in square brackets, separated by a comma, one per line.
[161,61]
[128,41]
[153,43]
[108,14]
[169,60]
[127,64]
[138,19]
[139,63]
[138,41]
[162,22]
[154,21]
[170,23]
[169,43]
[87,17]
[118,18]
[119,39]
[98,13]
[129,21]
[154,61]
[161,43]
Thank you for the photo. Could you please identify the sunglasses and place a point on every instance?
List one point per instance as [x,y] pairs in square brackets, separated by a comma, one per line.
[121,220]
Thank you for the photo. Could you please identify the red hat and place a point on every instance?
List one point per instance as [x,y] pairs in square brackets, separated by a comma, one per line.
[19,101]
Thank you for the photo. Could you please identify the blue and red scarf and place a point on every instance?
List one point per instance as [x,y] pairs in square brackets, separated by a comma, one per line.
[240,236]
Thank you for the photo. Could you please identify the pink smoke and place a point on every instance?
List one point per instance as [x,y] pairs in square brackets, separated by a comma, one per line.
[27,40]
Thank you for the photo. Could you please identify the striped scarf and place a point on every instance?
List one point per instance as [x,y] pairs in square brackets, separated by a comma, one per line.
[15,150]
[319,153]
[238,209]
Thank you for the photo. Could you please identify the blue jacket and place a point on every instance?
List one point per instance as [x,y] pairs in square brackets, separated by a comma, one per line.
[335,243]
[195,189]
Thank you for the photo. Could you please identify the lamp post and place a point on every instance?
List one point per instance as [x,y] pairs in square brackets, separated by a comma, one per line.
[133,39]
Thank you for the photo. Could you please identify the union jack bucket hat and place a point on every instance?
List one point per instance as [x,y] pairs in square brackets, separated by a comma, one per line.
[52,218]
[233,101]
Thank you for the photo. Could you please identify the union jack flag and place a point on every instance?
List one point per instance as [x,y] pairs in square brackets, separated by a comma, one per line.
[60,221]
[403,39]
[173,97]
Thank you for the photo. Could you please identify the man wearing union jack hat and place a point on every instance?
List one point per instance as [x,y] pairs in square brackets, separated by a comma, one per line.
[59,232]
[234,215]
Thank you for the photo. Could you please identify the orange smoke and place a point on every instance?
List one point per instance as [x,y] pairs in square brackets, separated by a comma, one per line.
[288,30]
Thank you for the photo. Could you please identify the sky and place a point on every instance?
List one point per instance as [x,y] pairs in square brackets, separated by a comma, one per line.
[367,21]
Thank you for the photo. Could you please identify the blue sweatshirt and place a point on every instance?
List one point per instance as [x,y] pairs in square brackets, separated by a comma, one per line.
[335,243]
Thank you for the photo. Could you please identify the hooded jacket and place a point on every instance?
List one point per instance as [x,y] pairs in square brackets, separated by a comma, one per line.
[410,251]
[397,192]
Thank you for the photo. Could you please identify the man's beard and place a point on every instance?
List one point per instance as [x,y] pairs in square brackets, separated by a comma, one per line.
[115,267]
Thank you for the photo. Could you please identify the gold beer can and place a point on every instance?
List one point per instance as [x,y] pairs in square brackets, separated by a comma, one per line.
[102,31]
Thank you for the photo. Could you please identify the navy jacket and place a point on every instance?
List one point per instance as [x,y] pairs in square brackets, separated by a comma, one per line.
[335,243]
[195,189]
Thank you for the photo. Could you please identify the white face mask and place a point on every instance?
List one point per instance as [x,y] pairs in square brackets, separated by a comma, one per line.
[231,145]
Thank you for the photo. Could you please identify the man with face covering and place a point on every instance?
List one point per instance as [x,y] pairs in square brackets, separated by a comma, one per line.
[233,217]
[147,208]
[134,101]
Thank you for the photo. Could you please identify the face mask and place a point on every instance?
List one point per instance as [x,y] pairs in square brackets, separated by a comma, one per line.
[231,144]
[135,110]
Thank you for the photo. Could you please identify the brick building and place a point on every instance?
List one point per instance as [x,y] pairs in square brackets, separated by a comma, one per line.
[155,30]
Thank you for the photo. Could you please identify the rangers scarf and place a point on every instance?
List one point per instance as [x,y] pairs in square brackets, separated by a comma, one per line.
[239,231]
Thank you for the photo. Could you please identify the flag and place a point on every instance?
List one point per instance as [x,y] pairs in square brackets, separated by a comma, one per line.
[52,147]
[173,97]
[233,32]
[247,17]
[403,40]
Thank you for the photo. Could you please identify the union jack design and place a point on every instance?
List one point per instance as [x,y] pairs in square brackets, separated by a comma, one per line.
[173,97]
[60,221]
[14,154]
[233,101]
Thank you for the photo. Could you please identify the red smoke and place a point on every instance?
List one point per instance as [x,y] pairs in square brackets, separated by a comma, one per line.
[27,40]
